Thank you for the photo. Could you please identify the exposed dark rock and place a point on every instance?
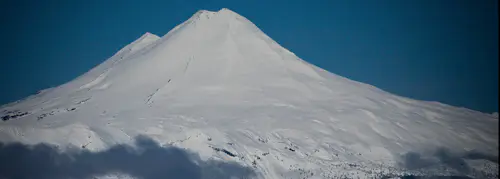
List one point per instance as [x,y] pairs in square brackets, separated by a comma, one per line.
[13,115]
[290,149]
[224,150]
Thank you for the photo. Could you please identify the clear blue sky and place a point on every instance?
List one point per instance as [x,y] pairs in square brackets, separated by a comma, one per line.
[437,50]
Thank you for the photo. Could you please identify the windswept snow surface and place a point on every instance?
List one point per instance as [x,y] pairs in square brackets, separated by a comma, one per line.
[218,86]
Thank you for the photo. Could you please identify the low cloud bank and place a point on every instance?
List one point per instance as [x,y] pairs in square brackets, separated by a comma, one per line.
[445,157]
[146,160]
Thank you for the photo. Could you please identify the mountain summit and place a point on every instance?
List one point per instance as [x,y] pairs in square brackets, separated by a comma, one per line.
[218,86]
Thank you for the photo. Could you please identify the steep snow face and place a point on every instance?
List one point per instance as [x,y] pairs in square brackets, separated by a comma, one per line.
[218,83]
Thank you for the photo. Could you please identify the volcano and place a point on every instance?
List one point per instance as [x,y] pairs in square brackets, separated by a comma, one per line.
[220,87]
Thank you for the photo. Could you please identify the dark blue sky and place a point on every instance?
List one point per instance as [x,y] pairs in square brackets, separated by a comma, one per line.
[445,50]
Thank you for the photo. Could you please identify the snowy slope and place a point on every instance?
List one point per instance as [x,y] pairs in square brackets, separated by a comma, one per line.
[217,81]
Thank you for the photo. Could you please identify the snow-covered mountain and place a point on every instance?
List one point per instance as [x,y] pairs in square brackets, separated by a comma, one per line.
[218,86]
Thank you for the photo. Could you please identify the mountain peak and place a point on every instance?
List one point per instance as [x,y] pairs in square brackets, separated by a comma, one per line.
[229,12]
[224,12]
[148,35]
